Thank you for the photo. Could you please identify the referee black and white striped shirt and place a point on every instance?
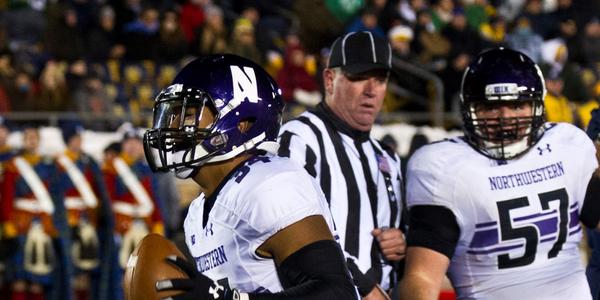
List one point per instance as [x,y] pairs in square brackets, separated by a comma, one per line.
[360,180]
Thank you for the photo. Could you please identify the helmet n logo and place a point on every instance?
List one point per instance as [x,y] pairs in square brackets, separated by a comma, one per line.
[244,84]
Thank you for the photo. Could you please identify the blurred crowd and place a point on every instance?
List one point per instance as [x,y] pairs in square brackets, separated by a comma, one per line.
[106,60]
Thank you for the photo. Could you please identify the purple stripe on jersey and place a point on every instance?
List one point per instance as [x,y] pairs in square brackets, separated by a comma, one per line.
[534,216]
[573,206]
[574,219]
[480,225]
[499,249]
[484,238]
[577,230]
[552,238]
[547,226]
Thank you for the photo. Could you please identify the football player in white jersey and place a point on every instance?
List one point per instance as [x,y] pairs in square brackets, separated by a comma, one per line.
[261,229]
[499,208]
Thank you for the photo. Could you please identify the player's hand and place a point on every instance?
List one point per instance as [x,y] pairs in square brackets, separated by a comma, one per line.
[593,128]
[196,286]
[392,243]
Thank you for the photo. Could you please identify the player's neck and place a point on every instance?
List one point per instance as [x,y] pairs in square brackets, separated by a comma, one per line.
[210,175]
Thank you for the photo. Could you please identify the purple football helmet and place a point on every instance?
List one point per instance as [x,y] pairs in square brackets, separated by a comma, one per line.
[502,76]
[230,88]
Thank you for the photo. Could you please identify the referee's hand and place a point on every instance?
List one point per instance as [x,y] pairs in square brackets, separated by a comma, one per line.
[392,243]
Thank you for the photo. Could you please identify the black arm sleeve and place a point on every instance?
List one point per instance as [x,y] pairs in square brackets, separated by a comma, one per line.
[362,281]
[317,271]
[590,212]
[433,227]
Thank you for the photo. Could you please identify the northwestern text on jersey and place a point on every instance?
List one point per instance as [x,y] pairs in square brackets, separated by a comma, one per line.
[526,178]
[211,259]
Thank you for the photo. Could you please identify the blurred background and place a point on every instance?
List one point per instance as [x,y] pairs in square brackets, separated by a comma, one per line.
[100,63]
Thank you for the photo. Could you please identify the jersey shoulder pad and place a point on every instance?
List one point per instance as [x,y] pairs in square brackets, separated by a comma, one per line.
[439,154]
[431,172]
[279,193]
[565,133]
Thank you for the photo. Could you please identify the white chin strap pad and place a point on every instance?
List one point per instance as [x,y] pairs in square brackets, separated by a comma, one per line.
[180,156]
[236,150]
[268,146]
[183,173]
[510,151]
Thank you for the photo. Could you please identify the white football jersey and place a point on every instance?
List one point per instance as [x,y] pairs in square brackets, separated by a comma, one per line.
[265,195]
[519,220]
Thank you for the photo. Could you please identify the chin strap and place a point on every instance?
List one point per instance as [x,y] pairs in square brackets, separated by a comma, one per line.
[257,142]
[514,149]
[508,151]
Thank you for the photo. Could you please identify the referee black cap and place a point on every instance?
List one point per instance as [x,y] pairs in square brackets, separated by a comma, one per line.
[359,52]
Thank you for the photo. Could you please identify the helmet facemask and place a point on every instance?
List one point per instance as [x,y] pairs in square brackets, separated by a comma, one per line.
[182,137]
[502,103]
[501,137]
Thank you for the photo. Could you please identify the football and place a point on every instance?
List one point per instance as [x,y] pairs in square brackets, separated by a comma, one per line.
[147,265]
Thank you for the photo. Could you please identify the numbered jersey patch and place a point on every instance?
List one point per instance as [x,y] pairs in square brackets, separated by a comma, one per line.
[263,196]
[519,220]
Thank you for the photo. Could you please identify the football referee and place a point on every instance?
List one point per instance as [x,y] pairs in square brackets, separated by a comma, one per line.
[360,178]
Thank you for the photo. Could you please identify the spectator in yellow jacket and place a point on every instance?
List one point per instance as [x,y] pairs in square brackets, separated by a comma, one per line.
[558,107]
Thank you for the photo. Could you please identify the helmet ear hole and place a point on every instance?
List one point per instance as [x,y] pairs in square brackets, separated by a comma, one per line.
[246,124]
